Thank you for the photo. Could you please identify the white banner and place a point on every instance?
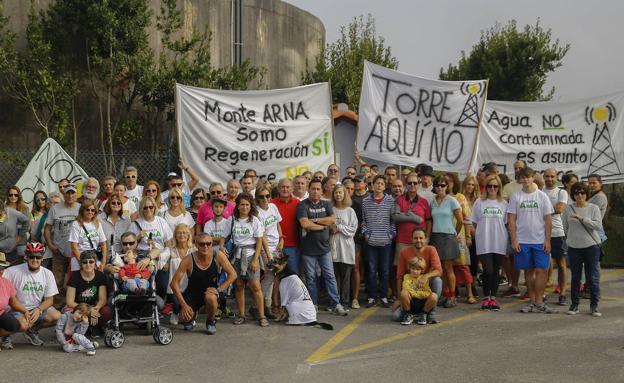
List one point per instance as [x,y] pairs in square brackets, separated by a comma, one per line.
[582,137]
[409,120]
[47,167]
[279,133]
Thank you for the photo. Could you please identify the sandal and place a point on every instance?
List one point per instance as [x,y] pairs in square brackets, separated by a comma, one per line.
[471,300]
[239,320]
[263,322]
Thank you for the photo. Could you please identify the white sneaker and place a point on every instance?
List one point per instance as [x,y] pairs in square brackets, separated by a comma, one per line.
[91,353]
[173,319]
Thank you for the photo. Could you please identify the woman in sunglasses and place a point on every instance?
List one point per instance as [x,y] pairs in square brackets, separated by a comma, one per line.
[152,189]
[445,236]
[129,207]
[272,242]
[489,218]
[88,286]
[114,223]
[86,233]
[198,197]
[582,222]
[177,214]
[38,216]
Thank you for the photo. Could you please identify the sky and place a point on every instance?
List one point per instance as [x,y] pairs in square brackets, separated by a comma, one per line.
[428,35]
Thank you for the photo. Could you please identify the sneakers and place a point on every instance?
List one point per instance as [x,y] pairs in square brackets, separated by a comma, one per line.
[595,312]
[92,352]
[218,314]
[370,303]
[422,319]
[167,310]
[573,310]
[339,310]
[563,301]
[173,319]
[385,303]
[543,309]
[432,317]
[6,343]
[511,292]
[528,308]
[189,326]
[494,305]
[211,327]
[33,337]
[485,304]
[355,304]
[450,302]
[408,319]
[502,280]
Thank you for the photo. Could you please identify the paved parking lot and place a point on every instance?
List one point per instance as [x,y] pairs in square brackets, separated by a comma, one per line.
[468,345]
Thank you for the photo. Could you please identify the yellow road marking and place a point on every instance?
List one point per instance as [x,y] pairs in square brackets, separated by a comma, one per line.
[321,354]
[325,351]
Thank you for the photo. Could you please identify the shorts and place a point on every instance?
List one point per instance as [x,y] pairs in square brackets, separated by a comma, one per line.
[194,299]
[417,306]
[249,275]
[531,256]
[462,274]
[41,317]
[9,322]
[558,247]
[446,245]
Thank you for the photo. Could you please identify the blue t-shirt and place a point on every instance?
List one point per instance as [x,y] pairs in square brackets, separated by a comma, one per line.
[442,215]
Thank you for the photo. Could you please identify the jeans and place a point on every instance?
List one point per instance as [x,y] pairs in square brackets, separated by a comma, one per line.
[294,258]
[377,260]
[491,265]
[590,258]
[327,272]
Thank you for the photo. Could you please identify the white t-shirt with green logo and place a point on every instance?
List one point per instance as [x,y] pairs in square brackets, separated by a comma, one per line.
[158,228]
[491,236]
[270,218]
[530,209]
[78,235]
[244,233]
[218,230]
[32,287]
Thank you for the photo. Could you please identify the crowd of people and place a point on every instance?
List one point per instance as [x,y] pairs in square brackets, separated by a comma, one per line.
[417,240]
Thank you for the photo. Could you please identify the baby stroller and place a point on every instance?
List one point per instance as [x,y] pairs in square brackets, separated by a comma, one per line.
[141,310]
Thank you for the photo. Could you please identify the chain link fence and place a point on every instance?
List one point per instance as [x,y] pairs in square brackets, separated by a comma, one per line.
[150,165]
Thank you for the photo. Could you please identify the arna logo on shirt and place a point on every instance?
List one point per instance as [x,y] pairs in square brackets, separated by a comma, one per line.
[530,204]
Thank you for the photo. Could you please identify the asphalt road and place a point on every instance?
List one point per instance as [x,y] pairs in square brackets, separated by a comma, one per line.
[467,346]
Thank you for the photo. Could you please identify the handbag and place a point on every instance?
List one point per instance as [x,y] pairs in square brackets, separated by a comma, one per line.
[97,250]
[599,244]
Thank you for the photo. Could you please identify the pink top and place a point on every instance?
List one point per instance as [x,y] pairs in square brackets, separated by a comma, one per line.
[7,291]
[420,208]
[205,213]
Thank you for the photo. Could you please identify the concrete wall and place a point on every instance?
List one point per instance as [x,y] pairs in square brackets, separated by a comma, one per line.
[276,35]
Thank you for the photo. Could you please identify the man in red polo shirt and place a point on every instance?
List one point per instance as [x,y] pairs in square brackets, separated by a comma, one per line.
[287,206]
[433,271]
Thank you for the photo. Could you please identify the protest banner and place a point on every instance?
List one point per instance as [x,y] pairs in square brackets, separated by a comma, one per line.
[279,133]
[409,120]
[582,137]
[47,167]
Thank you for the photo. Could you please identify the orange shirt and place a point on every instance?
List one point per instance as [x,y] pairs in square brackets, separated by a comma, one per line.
[428,253]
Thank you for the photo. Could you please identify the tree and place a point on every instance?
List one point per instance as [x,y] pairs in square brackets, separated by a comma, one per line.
[35,81]
[342,62]
[517,63]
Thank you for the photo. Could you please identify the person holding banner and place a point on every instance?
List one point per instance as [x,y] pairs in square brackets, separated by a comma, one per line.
[445,236]
[56,232]
[530,228]
[379,232]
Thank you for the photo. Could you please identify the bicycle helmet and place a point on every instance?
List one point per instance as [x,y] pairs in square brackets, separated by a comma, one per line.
[35,247]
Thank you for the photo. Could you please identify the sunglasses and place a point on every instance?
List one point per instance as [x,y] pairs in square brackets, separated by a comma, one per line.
[40,199]
[116,203]
[198,197]
[413,183]
[492,186]
[130,177]
[13,195]
[264,196]
[128,243]
[37,257]
[176,185]
[175,197]
[151,190]
[204,244]
[216,192]
[440,186]
[151,207]
[90,210]
[351,173]
[91,261]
